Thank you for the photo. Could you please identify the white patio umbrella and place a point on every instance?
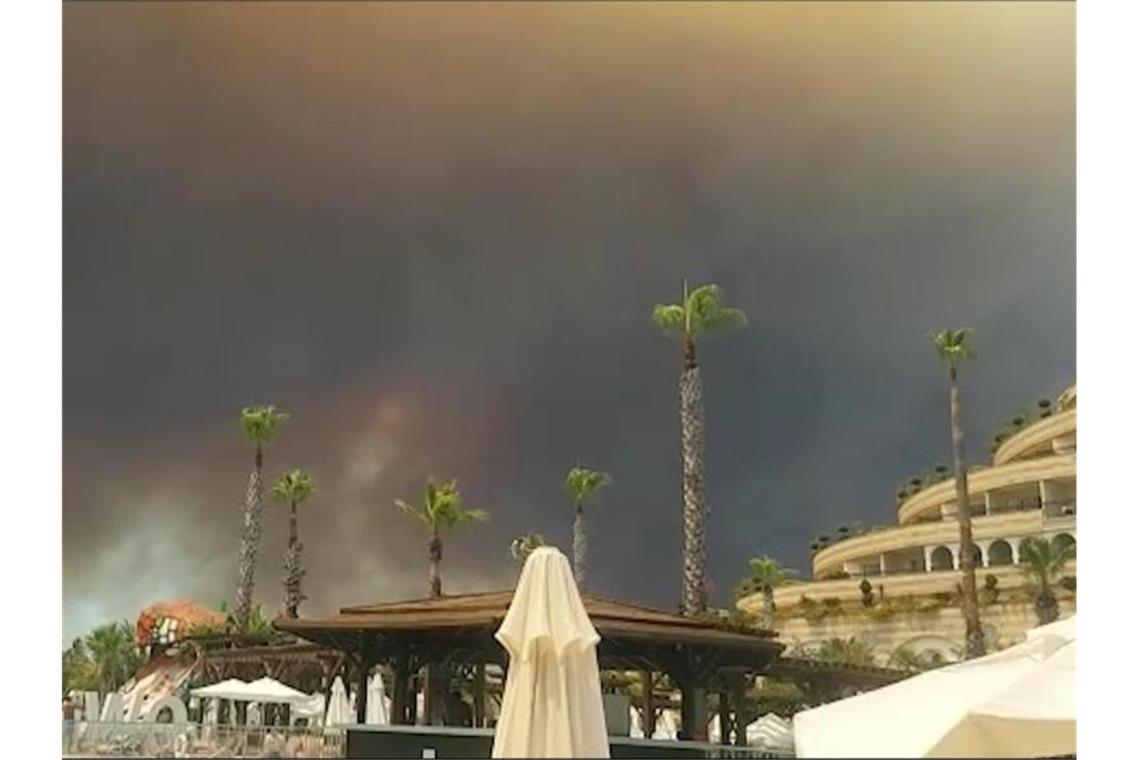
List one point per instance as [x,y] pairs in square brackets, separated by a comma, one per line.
[552,702]
[376,711]
[1015,703]
[635,731]
[339,713]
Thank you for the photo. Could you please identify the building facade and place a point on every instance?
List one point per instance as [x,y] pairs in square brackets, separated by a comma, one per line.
[895,589]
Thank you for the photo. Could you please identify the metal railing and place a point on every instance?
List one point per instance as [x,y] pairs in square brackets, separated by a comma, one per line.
[140,739]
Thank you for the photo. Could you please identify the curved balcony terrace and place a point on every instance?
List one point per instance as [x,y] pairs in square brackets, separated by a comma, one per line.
[929,546]
[927,504]
[1038,438]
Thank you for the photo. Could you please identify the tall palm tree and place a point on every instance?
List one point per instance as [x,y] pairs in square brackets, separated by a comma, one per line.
[1044,562]
[954,348]
[581,484]
[699,313]
[294,487]
[767,575]
[260,424]
[522,546]
[112,654]
[442,510]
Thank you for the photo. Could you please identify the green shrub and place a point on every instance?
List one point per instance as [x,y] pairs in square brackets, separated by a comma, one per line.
[812,610]
[929,604]
[868,595]
[880,612]
[989,593]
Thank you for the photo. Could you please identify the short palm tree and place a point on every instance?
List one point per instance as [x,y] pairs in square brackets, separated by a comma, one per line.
[522,546]
[260,424]
[954,348]
[767,575]
[850,651]
[293,488]
[442,510]
[581,484]
[1044,562]
[113,655]
[699,313]
[78,671]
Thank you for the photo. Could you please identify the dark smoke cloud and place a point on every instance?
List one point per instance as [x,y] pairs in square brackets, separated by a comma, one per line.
[434,233]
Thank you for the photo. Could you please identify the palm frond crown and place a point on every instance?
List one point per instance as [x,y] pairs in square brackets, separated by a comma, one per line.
[582,483]
[1043,561]
[953,346]
[700,312]
[294,486]
[261,422]
[442,507]
[768,573]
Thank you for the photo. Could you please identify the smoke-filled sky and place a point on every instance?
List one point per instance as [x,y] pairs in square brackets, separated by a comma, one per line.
[434,233]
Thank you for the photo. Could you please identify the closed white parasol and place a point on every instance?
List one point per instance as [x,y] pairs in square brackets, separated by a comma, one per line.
[1015,703]
[376,711]
[339,712]
[552,702]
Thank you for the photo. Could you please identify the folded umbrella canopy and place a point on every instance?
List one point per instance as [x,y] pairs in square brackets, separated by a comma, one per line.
[1015,703]
[376,711]
[552,702]
[339,712]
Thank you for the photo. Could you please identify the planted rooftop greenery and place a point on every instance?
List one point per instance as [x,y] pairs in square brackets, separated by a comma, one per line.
[1022,419]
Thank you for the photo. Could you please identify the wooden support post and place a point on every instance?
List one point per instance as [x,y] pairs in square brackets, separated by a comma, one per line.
[740,721]
[648,724]
[724,716]
[400,689]
[688,712]
[480,695]
[362,689]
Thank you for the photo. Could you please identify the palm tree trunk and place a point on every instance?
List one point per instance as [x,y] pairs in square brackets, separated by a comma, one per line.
[1046,606]
[975,644]
[769,609]
[694,596]
[579,547]
[435,556]
[294,571]
[433,676]
[250,544]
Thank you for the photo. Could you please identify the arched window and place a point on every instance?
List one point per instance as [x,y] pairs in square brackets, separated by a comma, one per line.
[1001,553]
[977,555]
[1064,539]
[941,559]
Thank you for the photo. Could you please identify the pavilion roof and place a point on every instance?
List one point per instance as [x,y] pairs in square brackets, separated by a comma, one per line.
[487,610]
[632,635]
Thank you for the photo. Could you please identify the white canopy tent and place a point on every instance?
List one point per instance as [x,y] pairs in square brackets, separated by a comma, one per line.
[261,691]
[269,691]
[231,688]
[1019,702]
[552,701]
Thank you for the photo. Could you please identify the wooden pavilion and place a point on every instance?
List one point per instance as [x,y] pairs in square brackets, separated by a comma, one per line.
[457,632]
